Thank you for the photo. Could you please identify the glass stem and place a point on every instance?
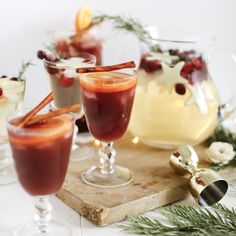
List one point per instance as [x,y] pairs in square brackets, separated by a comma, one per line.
[107,158]
[43,213]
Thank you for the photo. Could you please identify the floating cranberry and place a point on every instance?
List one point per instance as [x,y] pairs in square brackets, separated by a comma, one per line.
[149,66]
[188,67]
[197,63]
[1,92]
[41,54]
[176,154]
[14,79]
[153,65]
[66,81]
[143,60]
[180,89]
[184,74]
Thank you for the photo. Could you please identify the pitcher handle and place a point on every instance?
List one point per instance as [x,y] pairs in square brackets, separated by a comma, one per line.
[227,109]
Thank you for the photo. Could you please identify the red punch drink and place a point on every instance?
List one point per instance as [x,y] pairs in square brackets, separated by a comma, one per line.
[107,99]
[41,153]
[108,102]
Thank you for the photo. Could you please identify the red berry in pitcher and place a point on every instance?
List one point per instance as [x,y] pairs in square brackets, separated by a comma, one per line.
[188,67]
[66,81]
[197,64]
[184,74]
[1,92]
[180,89]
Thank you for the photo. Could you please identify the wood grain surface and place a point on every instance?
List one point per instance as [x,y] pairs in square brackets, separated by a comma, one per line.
[155,184]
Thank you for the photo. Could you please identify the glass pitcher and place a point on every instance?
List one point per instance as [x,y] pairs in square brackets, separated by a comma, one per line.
[176,100]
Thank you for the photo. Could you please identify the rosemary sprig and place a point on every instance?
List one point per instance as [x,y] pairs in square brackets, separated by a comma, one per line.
[51,48]
[222,134]
[186,221]
[128,24]
[23,68]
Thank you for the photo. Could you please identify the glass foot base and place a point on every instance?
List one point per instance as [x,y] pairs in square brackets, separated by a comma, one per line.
[120,177]
[79,153]
[8,175]
[54,229]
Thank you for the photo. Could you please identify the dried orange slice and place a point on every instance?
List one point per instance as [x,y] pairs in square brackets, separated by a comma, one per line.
[83,18]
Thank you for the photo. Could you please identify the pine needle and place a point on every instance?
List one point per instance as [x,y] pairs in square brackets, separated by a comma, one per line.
[23,68]
[186,220]
[130,25]
[51,48]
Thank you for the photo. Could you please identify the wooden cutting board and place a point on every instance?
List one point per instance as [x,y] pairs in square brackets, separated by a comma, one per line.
[154,184]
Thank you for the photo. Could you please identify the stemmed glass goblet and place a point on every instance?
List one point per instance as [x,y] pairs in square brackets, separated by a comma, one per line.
[65,85]
[11,100]
[41,154]
[107,99]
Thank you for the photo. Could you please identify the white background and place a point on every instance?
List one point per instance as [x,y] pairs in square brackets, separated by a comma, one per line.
[23,25]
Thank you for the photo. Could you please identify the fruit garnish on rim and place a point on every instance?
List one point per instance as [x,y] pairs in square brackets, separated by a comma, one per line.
[84,18]
[31,117]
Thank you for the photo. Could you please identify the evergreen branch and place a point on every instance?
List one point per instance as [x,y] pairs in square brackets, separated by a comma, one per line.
[51,48]
[24,67]
[222,134]
[186,220]
[128,24]
[229,213]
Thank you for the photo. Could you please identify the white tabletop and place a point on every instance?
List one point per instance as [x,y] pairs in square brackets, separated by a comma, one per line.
[16,207]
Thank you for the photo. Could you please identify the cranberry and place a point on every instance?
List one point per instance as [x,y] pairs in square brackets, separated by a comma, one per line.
[13,78]
[149,66]
[1,92]
[66,81]
[197,63]
[176,154]
[50,58]
[3,76]
[153,65]
[184,74]
[180,89]
[143,61]
[41,54]
[188,67]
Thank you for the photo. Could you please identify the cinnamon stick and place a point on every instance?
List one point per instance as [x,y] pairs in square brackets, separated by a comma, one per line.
[52,114]
[129,64]
[35,110]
